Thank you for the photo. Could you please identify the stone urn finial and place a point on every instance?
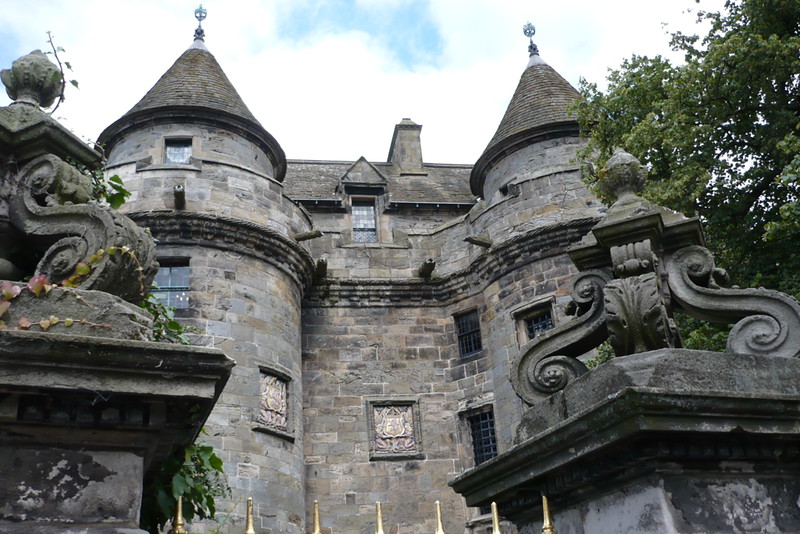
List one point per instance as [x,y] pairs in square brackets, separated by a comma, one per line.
[33,79]
[622,176]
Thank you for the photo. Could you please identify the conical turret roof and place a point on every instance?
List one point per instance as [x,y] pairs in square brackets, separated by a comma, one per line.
[195,89]
[538,110]
[195,79]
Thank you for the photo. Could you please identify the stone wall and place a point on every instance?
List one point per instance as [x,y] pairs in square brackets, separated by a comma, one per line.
[251,310]
[214,183]
[360,359]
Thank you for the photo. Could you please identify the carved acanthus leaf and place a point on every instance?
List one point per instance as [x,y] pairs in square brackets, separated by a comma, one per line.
[636,317]
[767,322]
[549,362]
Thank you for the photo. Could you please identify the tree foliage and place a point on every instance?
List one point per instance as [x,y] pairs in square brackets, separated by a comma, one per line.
[720,134]
[194,473]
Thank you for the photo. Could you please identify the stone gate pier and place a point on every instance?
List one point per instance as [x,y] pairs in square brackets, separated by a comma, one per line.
[659,439]
[88,401]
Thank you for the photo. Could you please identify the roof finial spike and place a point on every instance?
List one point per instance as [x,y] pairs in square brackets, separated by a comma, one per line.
[200,14]
[530,30]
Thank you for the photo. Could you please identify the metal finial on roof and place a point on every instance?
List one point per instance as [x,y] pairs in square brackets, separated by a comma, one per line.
[530,30]
[200,14]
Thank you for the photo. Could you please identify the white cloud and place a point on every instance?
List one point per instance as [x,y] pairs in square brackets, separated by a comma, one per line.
[338,95]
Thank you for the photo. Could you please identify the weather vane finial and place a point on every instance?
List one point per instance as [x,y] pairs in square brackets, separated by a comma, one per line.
[200,15]
[529,30]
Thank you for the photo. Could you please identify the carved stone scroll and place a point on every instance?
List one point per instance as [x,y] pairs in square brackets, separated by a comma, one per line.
[49,206]
[549,362]
[768,321]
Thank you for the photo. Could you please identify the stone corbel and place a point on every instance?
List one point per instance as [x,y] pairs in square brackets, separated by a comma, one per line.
[549,362]
[767,322]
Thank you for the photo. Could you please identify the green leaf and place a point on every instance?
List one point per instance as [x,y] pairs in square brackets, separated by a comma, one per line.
[179,485]
[74,83]
[82,269]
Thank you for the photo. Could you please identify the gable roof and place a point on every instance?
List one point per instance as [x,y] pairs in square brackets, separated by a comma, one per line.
[363,172]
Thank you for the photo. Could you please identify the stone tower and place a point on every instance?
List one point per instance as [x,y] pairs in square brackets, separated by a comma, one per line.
[206,177]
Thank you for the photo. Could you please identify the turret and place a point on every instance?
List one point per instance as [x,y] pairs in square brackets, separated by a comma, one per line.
[205,178]
[534,131]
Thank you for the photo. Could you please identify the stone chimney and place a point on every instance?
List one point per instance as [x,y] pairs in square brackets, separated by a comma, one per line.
[406,151]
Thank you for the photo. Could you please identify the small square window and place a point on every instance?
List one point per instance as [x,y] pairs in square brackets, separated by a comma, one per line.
[178,151]
[468,329]
[538,323]
[364,227]
[173,285]
[534,321]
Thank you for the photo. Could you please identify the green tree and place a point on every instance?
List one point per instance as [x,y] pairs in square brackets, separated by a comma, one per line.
[720,134]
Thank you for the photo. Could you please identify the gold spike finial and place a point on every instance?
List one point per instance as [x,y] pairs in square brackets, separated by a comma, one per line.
[547,525]
[439,524]
[248,526]
[495,520]
[317,527]
[378,518]
[177,521]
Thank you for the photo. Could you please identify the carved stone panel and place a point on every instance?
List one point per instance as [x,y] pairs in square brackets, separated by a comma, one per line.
[273,410]
[394,430]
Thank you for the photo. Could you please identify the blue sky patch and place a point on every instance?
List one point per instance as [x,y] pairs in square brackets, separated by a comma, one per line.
[406,30]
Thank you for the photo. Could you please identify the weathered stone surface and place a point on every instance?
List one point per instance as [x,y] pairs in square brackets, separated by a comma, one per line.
[33,79]
[70,486]
[80,312]
[721,425]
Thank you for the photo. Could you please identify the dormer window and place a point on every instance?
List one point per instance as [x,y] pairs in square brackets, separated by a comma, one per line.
[364,228]
[178,151]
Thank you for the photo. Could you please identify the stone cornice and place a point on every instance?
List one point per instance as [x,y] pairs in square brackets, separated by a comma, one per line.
[496,262]
[173,227]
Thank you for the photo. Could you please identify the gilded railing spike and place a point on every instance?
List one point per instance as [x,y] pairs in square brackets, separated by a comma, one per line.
[248,529]
[317,527]
[439,524]
[495,520]
[378,518]
[177,521]
[547,525]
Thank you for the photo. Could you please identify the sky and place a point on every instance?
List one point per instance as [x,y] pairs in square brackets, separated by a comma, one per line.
[329,79]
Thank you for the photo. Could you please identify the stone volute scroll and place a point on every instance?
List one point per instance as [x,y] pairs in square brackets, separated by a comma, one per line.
[638,265]
[51,222]
[51,206]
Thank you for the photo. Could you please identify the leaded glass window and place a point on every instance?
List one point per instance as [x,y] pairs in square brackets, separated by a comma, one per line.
[364,228]
[178,151]
[173,286]
[468,329]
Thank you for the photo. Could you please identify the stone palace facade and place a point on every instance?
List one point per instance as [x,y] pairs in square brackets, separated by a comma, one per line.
[371,307]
